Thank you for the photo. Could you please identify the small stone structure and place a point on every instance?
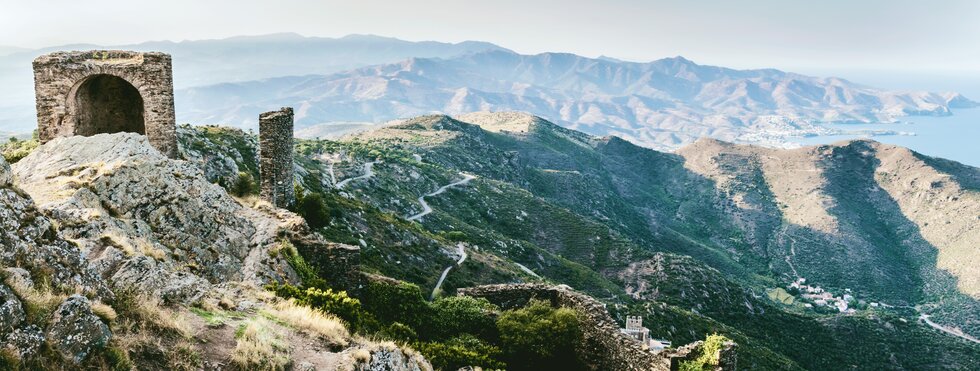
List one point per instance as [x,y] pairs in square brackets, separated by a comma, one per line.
[603,346]
[106,91]
[276,157]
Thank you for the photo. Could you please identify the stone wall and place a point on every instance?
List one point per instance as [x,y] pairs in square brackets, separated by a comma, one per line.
[338,264]
[276,157]
[106,91]
[603,346]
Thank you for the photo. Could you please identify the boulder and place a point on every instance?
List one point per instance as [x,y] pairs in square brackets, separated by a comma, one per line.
[148,221]
[75,331]
[25,341]
[11,311]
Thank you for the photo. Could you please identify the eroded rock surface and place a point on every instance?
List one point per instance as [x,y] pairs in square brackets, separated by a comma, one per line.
[75,331]
[148,221]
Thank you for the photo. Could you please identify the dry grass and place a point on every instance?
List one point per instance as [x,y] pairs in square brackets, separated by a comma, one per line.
[131,246]
[104,311]
[310,321]
[259,347]
[39,303]
[146,313]
[361,356]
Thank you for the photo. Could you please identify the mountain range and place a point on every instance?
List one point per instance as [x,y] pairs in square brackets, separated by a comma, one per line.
[662,104]
[361,81]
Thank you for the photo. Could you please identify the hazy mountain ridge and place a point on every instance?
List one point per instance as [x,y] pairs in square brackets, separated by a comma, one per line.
[235,59]
[661,104]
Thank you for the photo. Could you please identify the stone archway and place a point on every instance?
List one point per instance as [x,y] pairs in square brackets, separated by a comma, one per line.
[107,104]
[106,91]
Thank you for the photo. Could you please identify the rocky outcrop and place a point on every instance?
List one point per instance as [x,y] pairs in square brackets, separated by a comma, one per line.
[148,221]
[31,243]
[11,310]
[75,331]
[602,346]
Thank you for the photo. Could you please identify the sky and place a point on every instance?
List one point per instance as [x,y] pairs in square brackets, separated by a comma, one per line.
[936,35]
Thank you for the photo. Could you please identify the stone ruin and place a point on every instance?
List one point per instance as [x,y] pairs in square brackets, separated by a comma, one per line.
[106,91]
[276,157]
[602,346]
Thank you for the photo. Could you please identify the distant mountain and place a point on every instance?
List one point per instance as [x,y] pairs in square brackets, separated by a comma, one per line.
[661,104]
[243,58]
[5,50]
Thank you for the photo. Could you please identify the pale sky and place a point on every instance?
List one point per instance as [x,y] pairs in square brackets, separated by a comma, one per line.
[939,35]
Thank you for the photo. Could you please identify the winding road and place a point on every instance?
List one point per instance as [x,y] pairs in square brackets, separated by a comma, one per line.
[925,318]
[368,172]
[426,209]
[462,258]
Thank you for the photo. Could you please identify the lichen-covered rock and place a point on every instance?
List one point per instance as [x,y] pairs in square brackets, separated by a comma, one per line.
[25,341]
[11,310]
[6,177]
[29,240]
[389,357]
[147,220]
[18,277]
[75,331]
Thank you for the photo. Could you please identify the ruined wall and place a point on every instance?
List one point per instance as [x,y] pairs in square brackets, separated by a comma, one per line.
[276,157]
[603,346]
[106,91]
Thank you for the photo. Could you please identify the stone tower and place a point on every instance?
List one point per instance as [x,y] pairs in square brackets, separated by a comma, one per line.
[276,157]
[106,91]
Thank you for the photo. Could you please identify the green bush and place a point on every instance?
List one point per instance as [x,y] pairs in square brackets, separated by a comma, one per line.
[707,358]
[312,208]
[401,332]
[244,185]
[539,336]
[337,303]
[397,302]
[460,352]
[463,315]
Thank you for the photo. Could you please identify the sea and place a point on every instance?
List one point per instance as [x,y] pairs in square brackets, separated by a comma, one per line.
[955,137]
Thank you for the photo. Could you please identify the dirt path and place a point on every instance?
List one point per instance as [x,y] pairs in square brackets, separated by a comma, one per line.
[426,209]
[462,258]
[368,172]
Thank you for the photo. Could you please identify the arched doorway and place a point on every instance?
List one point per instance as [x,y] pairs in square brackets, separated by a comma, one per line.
[107,104]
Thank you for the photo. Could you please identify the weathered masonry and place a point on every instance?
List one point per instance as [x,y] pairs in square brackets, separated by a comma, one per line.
[106,91]
[276,157]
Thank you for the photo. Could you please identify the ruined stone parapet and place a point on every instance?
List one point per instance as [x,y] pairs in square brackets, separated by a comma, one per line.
[276,157]
[106,91]
[603,346]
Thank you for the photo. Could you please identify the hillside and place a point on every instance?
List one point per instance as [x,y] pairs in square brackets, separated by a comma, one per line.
[662,104]
[615,220]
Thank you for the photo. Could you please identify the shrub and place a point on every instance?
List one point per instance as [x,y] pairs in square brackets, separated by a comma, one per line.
[539,336]
[397,302]
[707,357]
[463,314]
[400,331]
[312,208]
[460,352]
[337,303]
[244,185]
